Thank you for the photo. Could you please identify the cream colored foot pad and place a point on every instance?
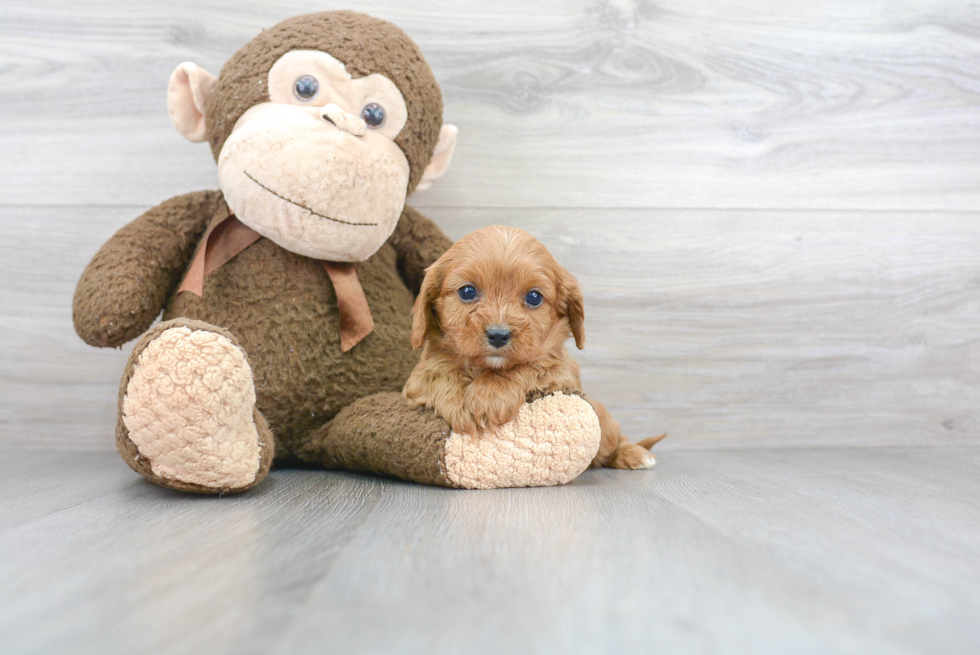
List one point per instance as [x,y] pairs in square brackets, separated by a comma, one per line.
[188,409]
[551,441]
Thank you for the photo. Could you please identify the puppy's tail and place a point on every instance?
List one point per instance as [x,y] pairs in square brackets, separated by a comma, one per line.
[649,442]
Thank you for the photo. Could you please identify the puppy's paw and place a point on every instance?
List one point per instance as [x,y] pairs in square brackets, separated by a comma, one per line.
[492,416]
[491,410]
[460,419]
[633,456]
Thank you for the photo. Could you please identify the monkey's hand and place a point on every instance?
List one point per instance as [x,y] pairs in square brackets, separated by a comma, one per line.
[125,286]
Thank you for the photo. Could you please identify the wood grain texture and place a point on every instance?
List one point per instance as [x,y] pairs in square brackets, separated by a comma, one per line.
[722,327]
[621,133]
[561,103]
[752,551]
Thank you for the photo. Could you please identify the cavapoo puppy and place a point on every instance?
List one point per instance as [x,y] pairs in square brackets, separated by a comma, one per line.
[492,318]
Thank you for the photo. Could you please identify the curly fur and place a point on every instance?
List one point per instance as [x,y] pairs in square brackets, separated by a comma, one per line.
[472,384]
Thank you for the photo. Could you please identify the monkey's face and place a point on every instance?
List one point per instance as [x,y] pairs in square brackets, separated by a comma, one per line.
[317,151]
[316,169]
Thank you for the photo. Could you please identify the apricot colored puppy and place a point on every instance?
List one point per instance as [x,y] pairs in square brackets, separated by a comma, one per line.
[492,318]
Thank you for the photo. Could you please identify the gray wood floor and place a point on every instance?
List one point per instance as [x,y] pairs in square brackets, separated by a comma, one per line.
[832,550]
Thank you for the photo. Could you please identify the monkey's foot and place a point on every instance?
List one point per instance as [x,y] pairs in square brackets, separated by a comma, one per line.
[552,440]
[187,415]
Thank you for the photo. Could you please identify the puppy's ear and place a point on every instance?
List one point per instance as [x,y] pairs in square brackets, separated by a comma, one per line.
[424,319]
[570,305]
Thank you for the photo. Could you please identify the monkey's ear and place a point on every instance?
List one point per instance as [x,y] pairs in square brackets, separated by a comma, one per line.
[571,305]
[187,100]
[441,157]
[424,318]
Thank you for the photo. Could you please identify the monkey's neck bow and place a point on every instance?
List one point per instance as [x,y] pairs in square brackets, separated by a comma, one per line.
[230,236]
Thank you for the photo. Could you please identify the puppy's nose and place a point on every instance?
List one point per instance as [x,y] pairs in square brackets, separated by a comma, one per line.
[498,337]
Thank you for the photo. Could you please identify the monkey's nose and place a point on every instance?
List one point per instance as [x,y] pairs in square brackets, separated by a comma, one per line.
[344,120]
[498,337]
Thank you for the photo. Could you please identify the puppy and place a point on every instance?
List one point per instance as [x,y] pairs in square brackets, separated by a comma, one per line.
[492,318]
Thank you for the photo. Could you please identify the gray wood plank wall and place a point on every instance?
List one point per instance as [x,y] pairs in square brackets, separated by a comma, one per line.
[773,206]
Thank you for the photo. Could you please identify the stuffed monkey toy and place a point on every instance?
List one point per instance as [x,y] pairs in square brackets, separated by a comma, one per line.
[287,294]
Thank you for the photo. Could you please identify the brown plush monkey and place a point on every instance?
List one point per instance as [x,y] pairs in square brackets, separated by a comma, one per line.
[287,295]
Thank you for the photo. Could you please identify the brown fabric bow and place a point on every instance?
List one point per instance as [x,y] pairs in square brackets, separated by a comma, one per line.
[231,236]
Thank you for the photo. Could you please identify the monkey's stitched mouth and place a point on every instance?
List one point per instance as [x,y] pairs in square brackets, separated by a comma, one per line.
[291,202]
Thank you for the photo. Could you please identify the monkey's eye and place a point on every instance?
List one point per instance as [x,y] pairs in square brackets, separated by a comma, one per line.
[467,293]
[533,298]
[374,115]
[306,88]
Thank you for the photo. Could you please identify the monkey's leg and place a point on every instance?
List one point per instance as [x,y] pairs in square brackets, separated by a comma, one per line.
[552,440]
[187,416]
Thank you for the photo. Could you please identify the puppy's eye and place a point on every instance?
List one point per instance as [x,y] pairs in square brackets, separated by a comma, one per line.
[306,88]
[533,298]
[467,293]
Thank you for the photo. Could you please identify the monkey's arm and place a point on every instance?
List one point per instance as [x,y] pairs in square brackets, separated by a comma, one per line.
[124,287]
[419,242]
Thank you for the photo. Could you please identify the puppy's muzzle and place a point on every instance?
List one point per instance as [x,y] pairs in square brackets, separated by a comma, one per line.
[498,337]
